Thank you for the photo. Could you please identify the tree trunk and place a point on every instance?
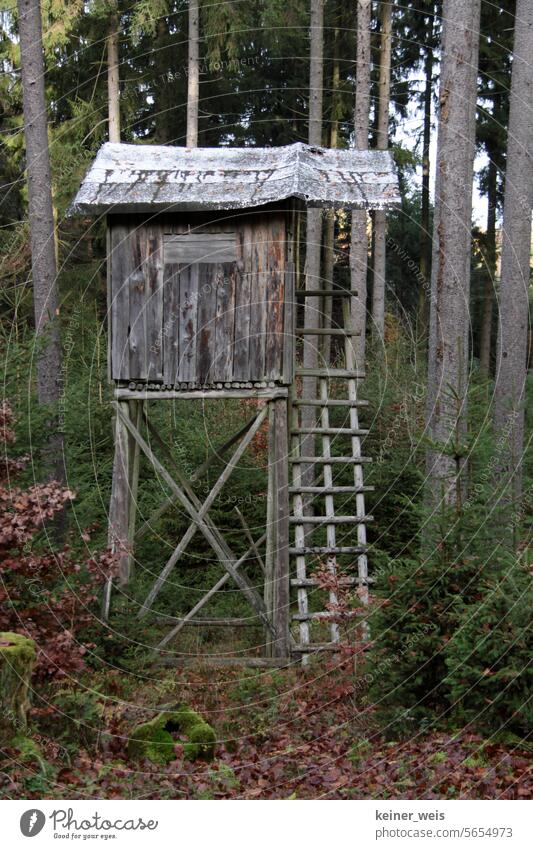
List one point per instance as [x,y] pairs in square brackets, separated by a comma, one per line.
[359,237]
[41,217]
[425,235]
[329,229]
[380,216]
[490,270]
[193,71]
[511,355]
[450,280]
[314,228]
[113,81]
[162,134]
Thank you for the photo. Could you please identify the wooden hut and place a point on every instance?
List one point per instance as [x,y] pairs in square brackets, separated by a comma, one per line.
[203,305]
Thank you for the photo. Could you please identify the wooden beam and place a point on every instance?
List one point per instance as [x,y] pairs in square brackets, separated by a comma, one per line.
[213,661]
[280,575]
[271,528]
[198,394]
[135,411]
[235,622]
[249,537]
[119,511]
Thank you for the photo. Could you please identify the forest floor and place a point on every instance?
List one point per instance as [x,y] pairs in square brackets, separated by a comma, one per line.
[287,734]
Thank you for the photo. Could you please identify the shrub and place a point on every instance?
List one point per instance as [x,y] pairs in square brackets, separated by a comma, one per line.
[490,674]
[46,594]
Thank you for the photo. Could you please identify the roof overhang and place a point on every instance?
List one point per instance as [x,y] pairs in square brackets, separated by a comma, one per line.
[151,178]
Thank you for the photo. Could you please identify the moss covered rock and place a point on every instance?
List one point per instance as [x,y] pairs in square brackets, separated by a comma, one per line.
[153,740]
[17,659]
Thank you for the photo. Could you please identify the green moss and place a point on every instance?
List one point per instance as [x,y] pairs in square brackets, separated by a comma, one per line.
[153,740]
[17,659]
[153,743]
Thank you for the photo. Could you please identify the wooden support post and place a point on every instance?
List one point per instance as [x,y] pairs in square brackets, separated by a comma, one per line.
[277,554]
[119,508]
[281,566]
[271,528]
[135,410]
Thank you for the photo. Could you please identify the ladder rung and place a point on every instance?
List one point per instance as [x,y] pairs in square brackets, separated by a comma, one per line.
[330,520]
[339,431]
[310,648]
[330,372]
[329,490]
[326,331]
[322,616]
[327,461]
[334,293]
[328,549]
[342,582]
[331,402]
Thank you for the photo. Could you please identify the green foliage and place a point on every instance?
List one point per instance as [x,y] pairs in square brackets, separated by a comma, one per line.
[78,716]
[146,13]
[450,629]
[489,671]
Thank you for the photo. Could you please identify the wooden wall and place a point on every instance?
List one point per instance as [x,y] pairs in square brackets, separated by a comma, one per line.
[200,301]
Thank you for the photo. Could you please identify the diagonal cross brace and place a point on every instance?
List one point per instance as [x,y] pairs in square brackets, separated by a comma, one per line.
[220,548]
[196,475]
[253,427]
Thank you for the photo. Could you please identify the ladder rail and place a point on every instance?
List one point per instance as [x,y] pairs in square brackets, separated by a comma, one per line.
[324,486]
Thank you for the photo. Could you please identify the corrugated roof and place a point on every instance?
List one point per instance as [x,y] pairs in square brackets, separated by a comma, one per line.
[138,178]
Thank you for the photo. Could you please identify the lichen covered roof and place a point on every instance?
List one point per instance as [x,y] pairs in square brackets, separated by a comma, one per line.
[139,178]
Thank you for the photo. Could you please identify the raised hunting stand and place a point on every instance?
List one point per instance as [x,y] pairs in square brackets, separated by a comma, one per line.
[202,302]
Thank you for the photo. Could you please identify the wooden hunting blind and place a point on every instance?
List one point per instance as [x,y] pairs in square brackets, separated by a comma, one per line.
[203,304]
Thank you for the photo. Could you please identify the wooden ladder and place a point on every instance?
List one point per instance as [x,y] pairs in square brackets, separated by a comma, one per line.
[328,464]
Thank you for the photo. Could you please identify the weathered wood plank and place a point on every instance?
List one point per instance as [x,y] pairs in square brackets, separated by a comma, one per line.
[289,325]
[146,303]
[241,363]
[199,394]
[275,297]
[200,247]
[258,284]
[188,317]
[207,299]
[226,283]
[120,302]
[171,316]
[153,272]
